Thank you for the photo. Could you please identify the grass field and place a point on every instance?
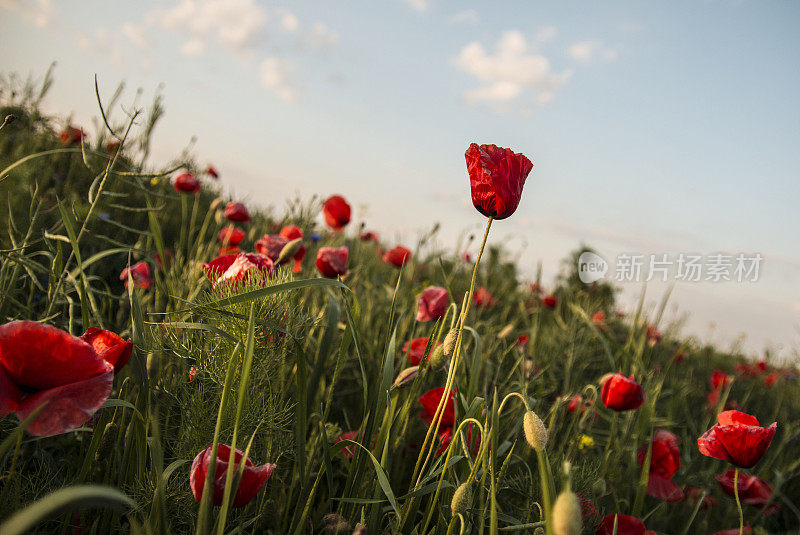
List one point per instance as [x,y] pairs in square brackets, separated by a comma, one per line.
[334,386]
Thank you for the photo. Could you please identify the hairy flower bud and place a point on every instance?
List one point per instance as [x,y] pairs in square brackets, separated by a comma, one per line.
[461,499]
[406,376]
[437,358]
[289,250]
[106,442]
[449,344]
[535,431]
[567,519]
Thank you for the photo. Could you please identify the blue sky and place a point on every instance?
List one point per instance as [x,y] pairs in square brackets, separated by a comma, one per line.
[654,128]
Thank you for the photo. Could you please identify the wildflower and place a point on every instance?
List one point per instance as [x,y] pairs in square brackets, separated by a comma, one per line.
[416,349]
[192,373]
[293,232]
[622,393]
[578,402]
[41,364]
[624,525]
[237,267]
[230,236]
[236,212]
[665,458]
[430,401]
[496,177]
[599,319]
[336,212]
[771,379]
[397,256]
[369,236]
[737,438]
[432,304]
[160,261]
[535,431]
[186,183]
[752,490]
[71,136]
[139,274]
[212,172]
[271,245]
[332,262]
[653,335]
[483,298]
[663,488]
[253,478]
[523,340]
[585,441]
[550,301]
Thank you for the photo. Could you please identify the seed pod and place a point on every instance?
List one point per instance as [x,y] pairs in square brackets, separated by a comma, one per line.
[406,376]
[538,531]
[535,431]
[449,344]
[216,203]
[461,499]
[289,250]
[152,366]
[567,519]
[106,442]
[437,358]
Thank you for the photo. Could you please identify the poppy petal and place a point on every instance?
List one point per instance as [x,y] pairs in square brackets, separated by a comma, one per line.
[710,446]
[736,417]
[10,395]
[664,489]
[109,346]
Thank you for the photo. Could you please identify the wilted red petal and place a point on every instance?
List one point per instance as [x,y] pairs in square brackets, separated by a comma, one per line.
[109,346]
[271,245]
[39,356]
[625,525]
[69,406]
[664,489]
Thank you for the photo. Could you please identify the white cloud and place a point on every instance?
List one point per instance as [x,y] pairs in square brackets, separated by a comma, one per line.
[468,16]
[274,74]
[513,71]
[135,34]
[236,25]
[545,34]
[419,5]
[289,22]
[322,37]
[37,12]
[590,50]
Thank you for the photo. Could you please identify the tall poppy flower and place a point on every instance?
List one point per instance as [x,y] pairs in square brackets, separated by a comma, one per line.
[737,438]
[496,178]
[332,262]
[622,393]
[336,212]
[293,232]
[186,183]
[665,458]
[236,212]
[139,274]
[432,304]
[231,236]
[483,298]
[235,268]
[397,256]
[430,401]
[73,375]
[271,245]
[752,490]
[253,478]
[625,525]
[415,349]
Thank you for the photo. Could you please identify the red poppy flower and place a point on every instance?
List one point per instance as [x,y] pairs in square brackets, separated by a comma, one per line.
[293,232]
[762,365]
[236,212]
[496,177]
[665,459]
[652,334]
[237,267]
[579,402]
[42,364]
[71,136]
[588,510]
[253,478]
[622,393]
[752,490]
[599,319]
[446,437]
[523,340]
[550,301]
[482,298]
[416,350]
[347,451]
[737,438]
[663,488]
[139,274]
[771,379]
[430,401]
[693,494]
[271,245]
[212,172]
[186,183]
[432,303]
[336,212]
[332,262]
[160,261]
[397,256]
[625,525]
[719,380]
[192,373]
[369,236]
[231,236]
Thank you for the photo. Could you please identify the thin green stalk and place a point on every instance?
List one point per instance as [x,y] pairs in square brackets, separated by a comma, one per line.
[738,503]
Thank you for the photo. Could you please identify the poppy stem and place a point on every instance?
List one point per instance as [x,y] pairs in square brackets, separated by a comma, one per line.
[736,495]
